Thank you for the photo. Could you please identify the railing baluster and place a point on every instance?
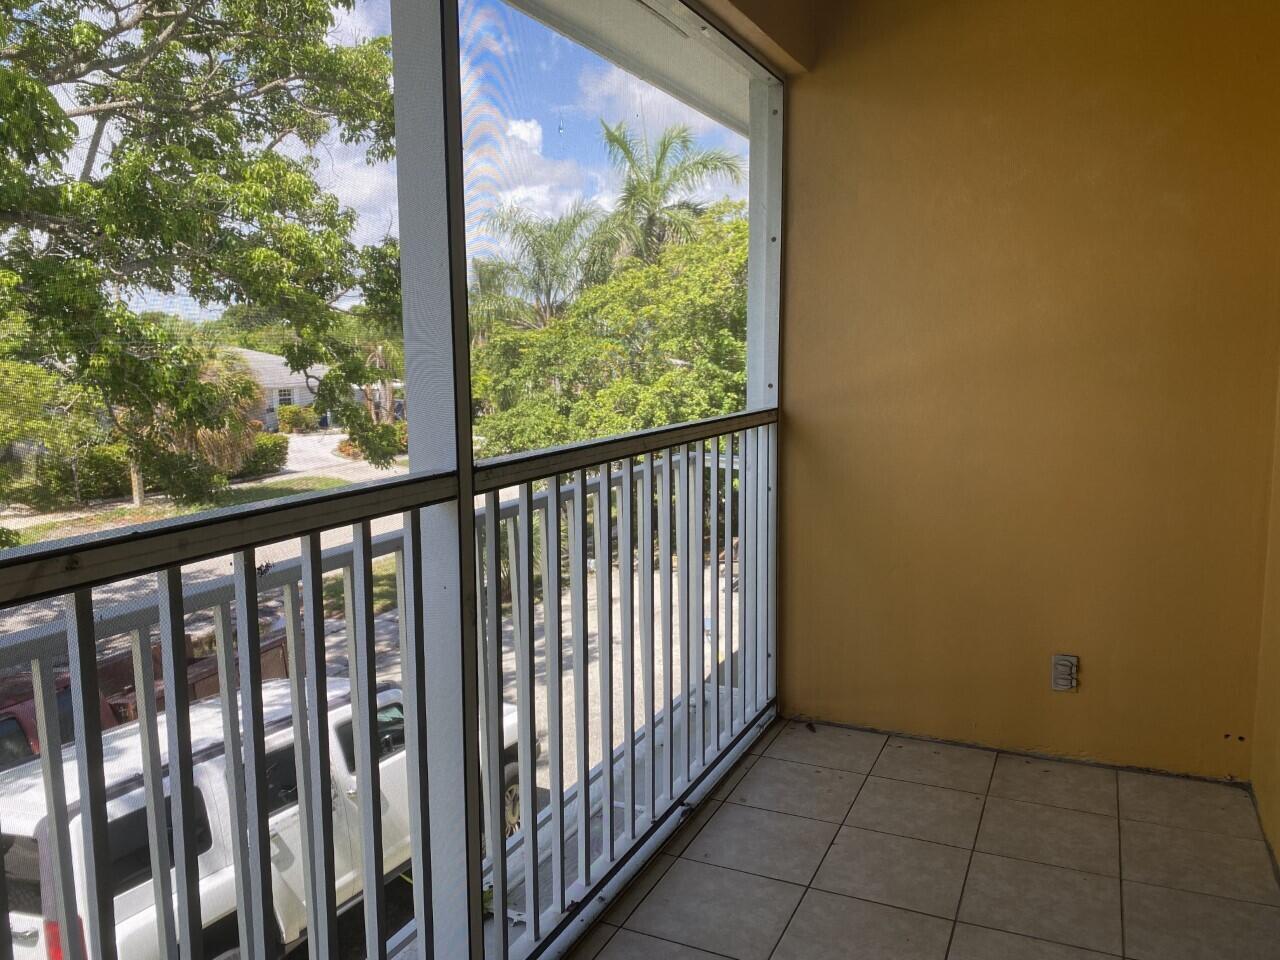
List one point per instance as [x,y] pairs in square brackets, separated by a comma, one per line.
[554,640]
[647,635]
[49,732]
[492,720]
[82,652]
[144,685]
[731,660]
[414,677]
[668,642]
[747,570]
[524,641]
[697,626]
[295,657]
[322,930]
[713,583]
[626,574]
[762,552]
[262,936]
[772,572]
[182,809]
[578,591]
[604,639]
[363,671]
[233,760]
[684,558]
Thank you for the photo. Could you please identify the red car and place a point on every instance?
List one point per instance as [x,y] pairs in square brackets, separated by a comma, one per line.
[19,739]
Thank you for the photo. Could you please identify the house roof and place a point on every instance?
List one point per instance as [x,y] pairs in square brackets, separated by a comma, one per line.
[272,371]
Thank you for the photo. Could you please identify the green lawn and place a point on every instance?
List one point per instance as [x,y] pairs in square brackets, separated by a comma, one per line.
[384,588]
[127,516]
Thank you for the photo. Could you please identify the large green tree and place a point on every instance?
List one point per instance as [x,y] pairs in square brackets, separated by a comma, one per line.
[141,150]
[654,344]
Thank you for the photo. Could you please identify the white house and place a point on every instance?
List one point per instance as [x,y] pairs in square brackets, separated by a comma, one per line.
[279,384]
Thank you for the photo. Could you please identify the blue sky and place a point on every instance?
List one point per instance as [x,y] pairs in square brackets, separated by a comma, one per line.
[532,105]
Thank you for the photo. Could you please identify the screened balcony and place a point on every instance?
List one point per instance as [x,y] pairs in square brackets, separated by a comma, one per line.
[949,632]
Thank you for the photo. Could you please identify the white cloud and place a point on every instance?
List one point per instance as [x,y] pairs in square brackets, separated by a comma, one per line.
[528,132]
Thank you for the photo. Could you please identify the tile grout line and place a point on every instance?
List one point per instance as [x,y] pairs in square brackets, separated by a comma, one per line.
[955,922]
[809,885]
[678,943]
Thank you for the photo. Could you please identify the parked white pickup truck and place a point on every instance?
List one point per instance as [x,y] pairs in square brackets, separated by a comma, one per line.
[24,822]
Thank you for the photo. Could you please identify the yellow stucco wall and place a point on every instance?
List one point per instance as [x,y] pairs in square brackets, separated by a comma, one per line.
[1030,363]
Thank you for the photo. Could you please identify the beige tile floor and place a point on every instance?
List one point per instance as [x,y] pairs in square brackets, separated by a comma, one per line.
[828,843]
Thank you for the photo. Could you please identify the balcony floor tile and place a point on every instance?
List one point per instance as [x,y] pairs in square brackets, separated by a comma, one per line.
[901,872]
[917,810]
[763,842]
[831,927]
[1052,835]
[1199,862]
[1033,861]
[938,764]
[1162,924]
[1075,786]
[798,788]
[835,747]
[712,908]
[1189,804]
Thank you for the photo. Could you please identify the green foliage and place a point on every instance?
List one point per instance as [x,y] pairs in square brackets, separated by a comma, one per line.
[181,189]
[295,419]
[656,205]
[270,454]
[98,473]
[656,343]
[553,258]
[9,538]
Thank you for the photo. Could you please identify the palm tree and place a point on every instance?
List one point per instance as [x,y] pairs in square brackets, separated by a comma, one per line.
[657,205]
[490,302]
[548,260]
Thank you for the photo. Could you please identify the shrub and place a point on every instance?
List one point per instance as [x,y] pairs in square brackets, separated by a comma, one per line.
[97,473]
[296,419]
[347,448]
[103,473]
[402,436]
[270,454]
[9,538]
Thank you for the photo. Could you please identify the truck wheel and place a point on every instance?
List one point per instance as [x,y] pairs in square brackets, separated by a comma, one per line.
[510,800]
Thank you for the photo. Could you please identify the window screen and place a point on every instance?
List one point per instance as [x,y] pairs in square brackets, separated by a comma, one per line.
[607,220]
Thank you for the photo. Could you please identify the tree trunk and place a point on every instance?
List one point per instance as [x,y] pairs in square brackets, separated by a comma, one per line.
[388,401]
[135,481]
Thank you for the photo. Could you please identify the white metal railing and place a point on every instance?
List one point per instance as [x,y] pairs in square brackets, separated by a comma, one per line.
[625,611]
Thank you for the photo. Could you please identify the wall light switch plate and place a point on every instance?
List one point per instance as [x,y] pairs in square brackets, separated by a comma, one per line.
[1065,672]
